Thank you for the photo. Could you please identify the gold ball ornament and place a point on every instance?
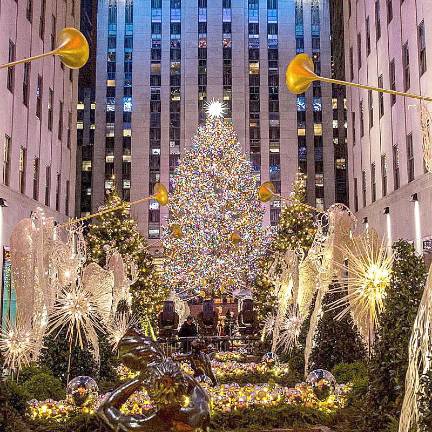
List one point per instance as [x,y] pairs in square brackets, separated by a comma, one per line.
[176,231]
[235,237]
[161,194]
[72,48]
[266,191]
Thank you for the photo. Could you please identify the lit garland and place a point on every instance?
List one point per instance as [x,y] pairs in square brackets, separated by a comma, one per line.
[225,399]
[215,202]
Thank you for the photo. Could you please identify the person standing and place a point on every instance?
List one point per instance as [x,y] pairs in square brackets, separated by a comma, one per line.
[188,330]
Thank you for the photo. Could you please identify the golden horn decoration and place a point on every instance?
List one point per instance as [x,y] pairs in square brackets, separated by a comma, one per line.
[176,231]
[235,237]
[72,48]
[300,75]
[161,194]
[266,191]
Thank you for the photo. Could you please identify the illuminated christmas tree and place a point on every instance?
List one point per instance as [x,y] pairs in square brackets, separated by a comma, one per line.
[295,231]
[118,230]
[215,233]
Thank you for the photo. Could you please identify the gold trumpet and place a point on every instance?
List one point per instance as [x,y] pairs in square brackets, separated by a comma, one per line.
[160,195]
[267,192]
[72,48]
[300,74]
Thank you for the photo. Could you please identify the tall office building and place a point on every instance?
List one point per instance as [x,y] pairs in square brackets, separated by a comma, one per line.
[388,44]
[37,121]
[159,61]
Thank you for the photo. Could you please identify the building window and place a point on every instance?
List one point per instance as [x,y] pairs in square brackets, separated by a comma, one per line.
[364,188]
[353,127]
[406,66]
[422,48]
[373,182]
[47,185]
[42,19]
[392,75]
[26,83]
[69,130]
[6,160]
[389,10]
[22,169]
[67,197]
[410,157]
[384,175]
[356,201]
[11,70]
[380,96]
[396,173]
[370,106]
[29,10]
[58,192]
[53,32]
[39,89]
[359,50]
[50,108]
[351,60]
[361,119]
[60,123]
[377,19]
[368,42]
[36,179]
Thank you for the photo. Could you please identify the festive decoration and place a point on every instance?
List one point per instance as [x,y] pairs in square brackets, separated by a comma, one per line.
[426,125]
[337,222]
[335,341]
[369,269]
[322,382]
[291,329]
[18,344]
[72,48]
[420,360]
[216,204]
[115,235]
[390,355]
[300,75]
[118,327]
[82,391]
[270,358]
[266,191]
[295,232]
[180,402]
[215,109]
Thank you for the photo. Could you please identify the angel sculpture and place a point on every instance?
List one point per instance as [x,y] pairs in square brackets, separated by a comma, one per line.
[199,361]
[181,403]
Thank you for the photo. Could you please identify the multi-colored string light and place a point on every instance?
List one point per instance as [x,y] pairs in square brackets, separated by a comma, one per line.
[215,202]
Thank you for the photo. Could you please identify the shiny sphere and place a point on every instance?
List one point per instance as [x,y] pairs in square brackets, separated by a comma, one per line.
[82,391]
[323,383]
[270,358]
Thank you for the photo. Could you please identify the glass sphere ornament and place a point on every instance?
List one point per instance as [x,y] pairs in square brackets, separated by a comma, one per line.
[82,391]
[323,383]
[270,358]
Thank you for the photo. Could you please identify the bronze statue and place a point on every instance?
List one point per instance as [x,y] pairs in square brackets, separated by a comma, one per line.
[199,361]
[167,386]
[208,319]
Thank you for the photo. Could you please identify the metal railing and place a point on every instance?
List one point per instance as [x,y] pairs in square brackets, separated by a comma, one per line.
[245,344]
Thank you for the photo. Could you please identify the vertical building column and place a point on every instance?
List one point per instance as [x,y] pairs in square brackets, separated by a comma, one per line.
[140,112]
[98,180]
[214,50]
[287,101]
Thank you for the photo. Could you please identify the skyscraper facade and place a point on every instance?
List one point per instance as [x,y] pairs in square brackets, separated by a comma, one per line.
[37,121]
[159,61]
[387,44]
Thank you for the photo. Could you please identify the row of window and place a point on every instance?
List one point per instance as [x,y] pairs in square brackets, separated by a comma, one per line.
[22,168]
[384,174]
[421,47]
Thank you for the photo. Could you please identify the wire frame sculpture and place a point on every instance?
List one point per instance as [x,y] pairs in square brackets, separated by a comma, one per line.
[426,126]
[420,359]
[369,265]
